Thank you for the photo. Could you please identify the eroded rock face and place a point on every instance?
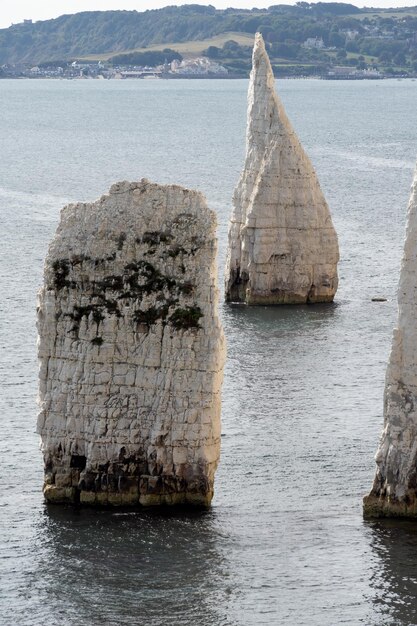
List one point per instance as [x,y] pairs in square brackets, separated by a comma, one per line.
[282,244]
[394,493]
[131,350]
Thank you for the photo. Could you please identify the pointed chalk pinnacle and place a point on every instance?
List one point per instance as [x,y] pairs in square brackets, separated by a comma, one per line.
[394,492]
[282,244]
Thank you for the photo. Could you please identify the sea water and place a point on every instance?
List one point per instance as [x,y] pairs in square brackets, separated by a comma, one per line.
[285,541]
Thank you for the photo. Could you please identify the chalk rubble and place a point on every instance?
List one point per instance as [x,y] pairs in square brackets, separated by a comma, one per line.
[131,350]
[283,248]
[394,492]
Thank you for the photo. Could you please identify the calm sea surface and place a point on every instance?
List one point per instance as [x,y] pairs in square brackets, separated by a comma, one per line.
[284,542]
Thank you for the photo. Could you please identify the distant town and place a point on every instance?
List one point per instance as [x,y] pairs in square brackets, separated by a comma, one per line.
[200,67]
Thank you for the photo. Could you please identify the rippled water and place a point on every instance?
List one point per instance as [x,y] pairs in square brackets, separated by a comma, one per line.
[284,542]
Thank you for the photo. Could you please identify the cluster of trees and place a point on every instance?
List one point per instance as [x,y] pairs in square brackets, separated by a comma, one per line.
[236,58]
[341,26]
[95,32]
[308,61]
[149,58]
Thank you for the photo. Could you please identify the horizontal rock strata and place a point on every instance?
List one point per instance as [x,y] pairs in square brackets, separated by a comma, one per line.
[394,492]
[283,248]
[131,350]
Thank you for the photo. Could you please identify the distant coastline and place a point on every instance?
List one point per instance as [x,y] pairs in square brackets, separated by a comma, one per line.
[335,41]
[340,77]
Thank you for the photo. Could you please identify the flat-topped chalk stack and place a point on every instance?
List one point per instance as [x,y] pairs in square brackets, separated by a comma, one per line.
[283,247]
[394,492]
[131,350]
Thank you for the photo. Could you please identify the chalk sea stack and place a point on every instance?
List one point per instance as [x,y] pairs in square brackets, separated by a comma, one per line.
[394,492]
[131,350]
[283,248]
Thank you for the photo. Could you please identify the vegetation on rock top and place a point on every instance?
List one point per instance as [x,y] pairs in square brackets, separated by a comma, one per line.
[138,279]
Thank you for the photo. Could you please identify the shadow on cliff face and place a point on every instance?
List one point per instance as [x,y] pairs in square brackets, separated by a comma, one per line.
[394,571]
[153,568]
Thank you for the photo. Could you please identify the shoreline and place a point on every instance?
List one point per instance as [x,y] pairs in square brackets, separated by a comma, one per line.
[233,77]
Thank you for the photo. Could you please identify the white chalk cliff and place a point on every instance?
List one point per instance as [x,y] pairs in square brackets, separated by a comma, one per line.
[282,244]
[394,491]
[131,350]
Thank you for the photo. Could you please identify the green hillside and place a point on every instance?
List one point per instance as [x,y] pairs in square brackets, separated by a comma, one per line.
[187,49]
[345,35]
[97,32]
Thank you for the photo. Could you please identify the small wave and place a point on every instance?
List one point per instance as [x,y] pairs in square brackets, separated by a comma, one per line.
[32,197]
[31,206]
[361,160]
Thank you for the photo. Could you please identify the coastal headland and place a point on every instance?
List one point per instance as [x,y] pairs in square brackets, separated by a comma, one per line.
[327,40]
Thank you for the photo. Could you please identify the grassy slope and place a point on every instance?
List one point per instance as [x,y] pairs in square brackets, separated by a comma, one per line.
[187,49]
